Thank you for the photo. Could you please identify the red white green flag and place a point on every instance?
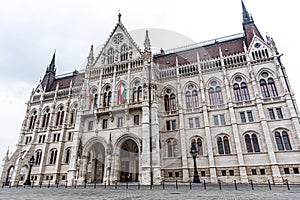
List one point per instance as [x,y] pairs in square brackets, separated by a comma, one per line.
[122,93]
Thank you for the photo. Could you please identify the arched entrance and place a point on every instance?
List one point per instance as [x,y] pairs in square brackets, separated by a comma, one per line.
[93,162]
[129,162]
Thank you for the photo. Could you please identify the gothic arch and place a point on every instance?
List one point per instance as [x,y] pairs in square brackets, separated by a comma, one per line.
[243,76]
[92,141]
[262,70]
[219,82]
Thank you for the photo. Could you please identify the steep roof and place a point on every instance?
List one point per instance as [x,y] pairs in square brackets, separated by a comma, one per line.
[64,81]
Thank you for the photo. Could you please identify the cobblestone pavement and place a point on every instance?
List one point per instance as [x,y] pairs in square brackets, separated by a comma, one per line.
[157,192]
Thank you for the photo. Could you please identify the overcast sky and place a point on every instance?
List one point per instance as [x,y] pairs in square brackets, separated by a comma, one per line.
[30,31]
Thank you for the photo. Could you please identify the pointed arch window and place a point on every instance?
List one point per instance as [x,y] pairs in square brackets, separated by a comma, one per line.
[110,56]
[198,143]
[137,94]
[191,97]
[252,143]
[53,155]
[32,120]
[38,157]
[170,100]
[60,116]
[73,114]
[68,154]
[172,148]
[267,85]
[223,145]
[46,118]
[240,90]
[107,97]
[215,94]
[124,52]
[282,141]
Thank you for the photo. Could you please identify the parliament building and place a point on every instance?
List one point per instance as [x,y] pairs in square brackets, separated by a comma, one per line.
[133,115]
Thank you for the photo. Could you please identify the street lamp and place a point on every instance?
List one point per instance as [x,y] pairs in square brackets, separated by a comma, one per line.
[194,153]
[30,162]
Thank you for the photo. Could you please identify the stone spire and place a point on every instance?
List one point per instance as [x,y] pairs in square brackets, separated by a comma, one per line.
[119,17]
[90,58]
[247,18]
[49,76]
[147,45]
[51,67]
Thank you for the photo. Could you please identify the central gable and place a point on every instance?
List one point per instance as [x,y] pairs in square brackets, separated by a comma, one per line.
[120,47]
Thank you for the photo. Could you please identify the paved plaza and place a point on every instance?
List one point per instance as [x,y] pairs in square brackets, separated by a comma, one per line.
[169,192]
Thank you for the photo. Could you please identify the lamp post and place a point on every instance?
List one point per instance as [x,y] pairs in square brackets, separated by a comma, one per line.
[30,162]
[194,153]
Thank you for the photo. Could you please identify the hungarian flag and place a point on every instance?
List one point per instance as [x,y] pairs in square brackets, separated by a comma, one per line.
[122,93]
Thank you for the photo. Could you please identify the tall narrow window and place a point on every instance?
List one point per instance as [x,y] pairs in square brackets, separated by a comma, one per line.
[73,114]
[170,100]
[60,116]
[107,96]
[110,56]
[279,113]
[172,148]
[286,140]
[267,85]
[38,157]
[191,97]
[243,117]
[215,94]
[68,154]
[199,146]
[124,52]
[32,120]
[271,114]
[46,117]
[279,141]
[248,143]
[104,123]
[223,145]
[252,143]
[240,89]
[191,122]
[53,155]
[250,116]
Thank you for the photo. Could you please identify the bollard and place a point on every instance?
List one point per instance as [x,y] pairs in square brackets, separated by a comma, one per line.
[32,184]
[2,185]
[116,185]
[75,184]
[40,184]
[204,184]
[104,185]
[220,186]
[251,182]
[95,183]
[139,185]
[48,184]
[151,186]
[176,185]
[66,184]
[84,184]
[235,185]
[17,184]
[269,184]
[287,184]
[163,184]
[127,184]
[190,185]
[9,184]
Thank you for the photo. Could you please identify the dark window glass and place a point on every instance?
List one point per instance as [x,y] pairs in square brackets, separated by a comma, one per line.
[243,117]
[286,170]
[231,172]
[262,171]
[279,113]
[223,172]
[250,116]
[296,170]
[254,172]
[271,114]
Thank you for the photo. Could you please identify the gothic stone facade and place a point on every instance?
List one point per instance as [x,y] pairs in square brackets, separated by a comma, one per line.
[133,115]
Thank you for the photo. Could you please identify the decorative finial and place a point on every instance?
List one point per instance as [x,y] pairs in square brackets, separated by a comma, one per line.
[119,16]
[147,42]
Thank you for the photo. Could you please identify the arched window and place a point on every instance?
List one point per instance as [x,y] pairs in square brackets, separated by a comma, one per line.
[110,56]
[124,52]
[252,143]
[223,145]
[53,155]
[10,172]
[32,120]
[73,114]
[172,148]
[282,141]
[107,96]
[137,94]
[67,155]
[267,85]
[191,97]
[38,157]
[46,117]
[240,90]
[215,94]
[170,100]
[197,142]
[60,116]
